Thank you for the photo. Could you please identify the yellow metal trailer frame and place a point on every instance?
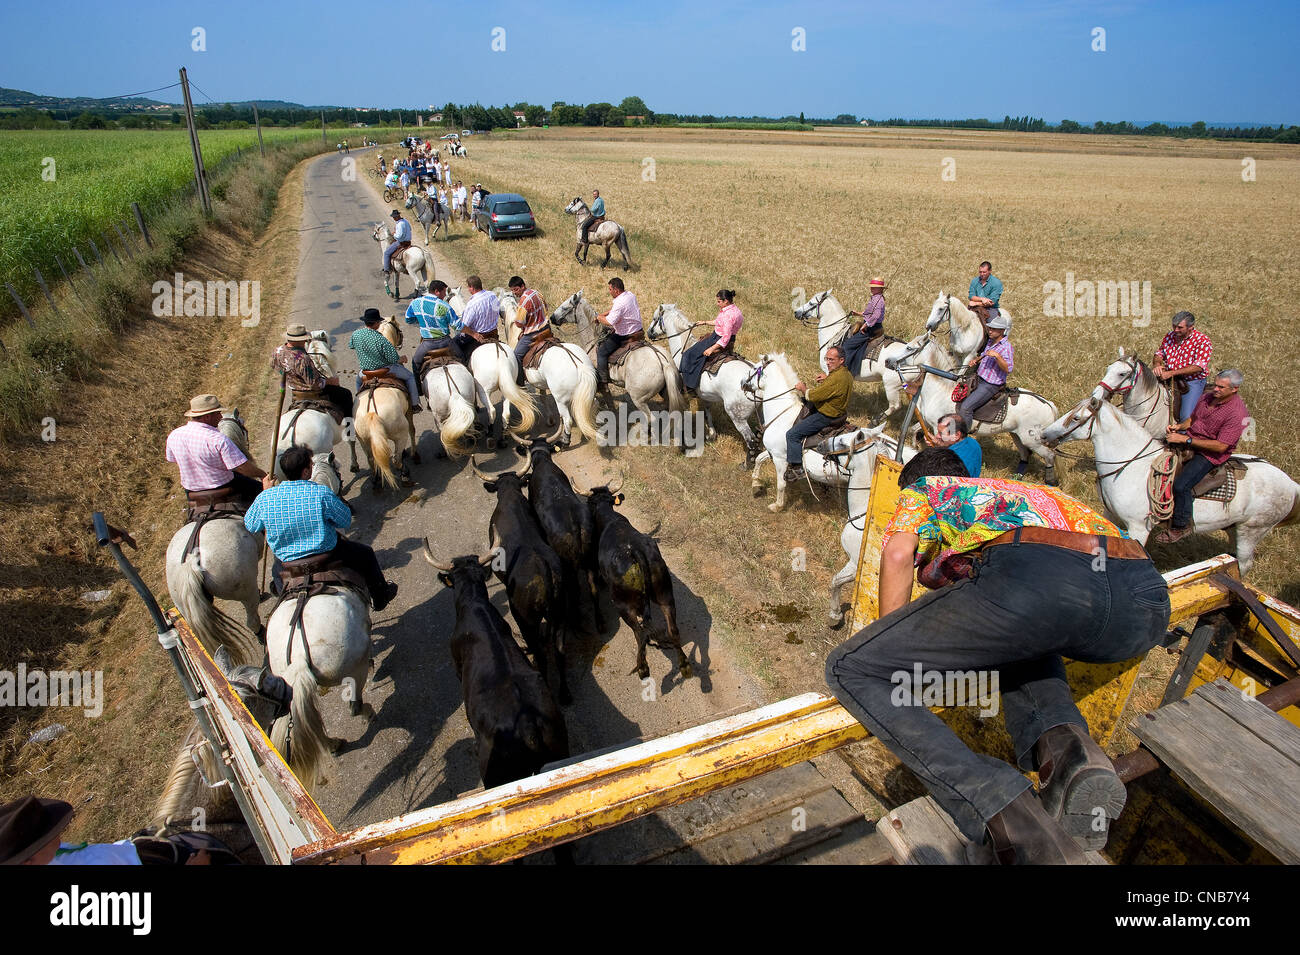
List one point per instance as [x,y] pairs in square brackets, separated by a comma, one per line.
[567,803]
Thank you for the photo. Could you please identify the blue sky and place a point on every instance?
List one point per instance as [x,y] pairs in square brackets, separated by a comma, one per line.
[933,58]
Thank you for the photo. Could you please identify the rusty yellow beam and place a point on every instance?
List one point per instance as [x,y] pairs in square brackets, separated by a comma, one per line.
[566,803]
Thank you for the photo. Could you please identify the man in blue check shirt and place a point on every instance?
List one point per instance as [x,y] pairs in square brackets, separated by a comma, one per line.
[438,322]
[302,519]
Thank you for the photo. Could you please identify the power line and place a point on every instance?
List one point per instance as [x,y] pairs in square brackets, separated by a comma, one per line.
[141,93]
[200,89]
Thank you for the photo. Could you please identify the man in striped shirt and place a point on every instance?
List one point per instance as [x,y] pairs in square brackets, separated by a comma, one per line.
[479,322]
[302,519]
[991,373]
[374,351]
[534,323]
[207,459]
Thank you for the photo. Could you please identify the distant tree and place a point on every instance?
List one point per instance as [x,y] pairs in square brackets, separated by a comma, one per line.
[1069,126]
[635,106]
[801,116]
[534,115]
[89,120]
[845,119]
[597,114]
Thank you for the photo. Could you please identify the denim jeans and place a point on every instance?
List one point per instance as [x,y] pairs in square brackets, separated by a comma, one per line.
[1189,475]
[1026,606]
[978,398]
[803,429]
[1188,403]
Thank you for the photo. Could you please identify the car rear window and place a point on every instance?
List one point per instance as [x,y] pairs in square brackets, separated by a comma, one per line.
[511,208]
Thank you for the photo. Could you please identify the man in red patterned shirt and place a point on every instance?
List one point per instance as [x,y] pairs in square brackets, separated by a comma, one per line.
[1212,431]
[1185,354]
[534,323]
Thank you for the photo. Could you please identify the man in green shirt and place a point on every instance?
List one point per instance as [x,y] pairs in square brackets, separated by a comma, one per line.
[829,400]
[375,351]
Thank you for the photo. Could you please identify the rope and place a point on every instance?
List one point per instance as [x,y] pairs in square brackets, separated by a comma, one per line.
[1160,486]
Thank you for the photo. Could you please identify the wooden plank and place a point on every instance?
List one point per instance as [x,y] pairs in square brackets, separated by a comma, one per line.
[1259,719]
[1231,766]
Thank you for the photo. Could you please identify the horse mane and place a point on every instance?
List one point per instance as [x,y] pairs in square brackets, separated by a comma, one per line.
[782,365]
[1149,379]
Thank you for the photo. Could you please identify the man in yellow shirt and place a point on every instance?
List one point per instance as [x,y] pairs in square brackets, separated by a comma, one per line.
[829,400]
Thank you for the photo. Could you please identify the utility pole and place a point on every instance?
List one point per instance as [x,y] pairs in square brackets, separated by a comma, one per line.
[200,174]
[322,128]
[256,122]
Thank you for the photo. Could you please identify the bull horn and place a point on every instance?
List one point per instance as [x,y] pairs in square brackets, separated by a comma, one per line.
[486,559]
[622,479]
[428,555]
[477,472]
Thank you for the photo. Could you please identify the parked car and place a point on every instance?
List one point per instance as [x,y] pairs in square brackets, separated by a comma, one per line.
[505,213]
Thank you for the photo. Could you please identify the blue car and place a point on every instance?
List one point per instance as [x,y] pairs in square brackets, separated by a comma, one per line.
[505,213]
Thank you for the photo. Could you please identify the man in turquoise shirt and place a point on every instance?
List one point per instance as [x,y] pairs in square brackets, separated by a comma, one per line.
[950,432]
[985,293]
[597,214]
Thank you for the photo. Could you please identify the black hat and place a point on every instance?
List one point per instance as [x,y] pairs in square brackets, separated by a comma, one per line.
[395,214]
[370,316]
[27,824]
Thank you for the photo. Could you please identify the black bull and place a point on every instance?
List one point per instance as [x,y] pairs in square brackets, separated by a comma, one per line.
[517,726]
[533,576]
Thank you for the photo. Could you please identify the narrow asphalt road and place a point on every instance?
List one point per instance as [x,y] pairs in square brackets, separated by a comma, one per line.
[418,751]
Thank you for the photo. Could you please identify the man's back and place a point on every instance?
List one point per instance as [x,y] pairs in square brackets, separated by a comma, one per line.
[299,517]
[206,457]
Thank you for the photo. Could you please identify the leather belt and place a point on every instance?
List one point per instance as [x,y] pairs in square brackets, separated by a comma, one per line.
[1116,548]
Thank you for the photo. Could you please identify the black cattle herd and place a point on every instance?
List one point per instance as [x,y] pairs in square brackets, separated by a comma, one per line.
[556,551]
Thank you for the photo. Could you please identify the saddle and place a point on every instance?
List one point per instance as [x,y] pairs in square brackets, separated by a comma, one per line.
[994,411]
[721,357]
[876,345]
[312,401]
[620,354]
[836,427]
[379,378]
[436,359]
[1220,484]
[545,340]
[204,506]
[300,580]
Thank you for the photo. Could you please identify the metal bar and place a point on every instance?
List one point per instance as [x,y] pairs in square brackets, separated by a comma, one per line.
[108,244]
[572,801]
[21,307]
[66,277]
[40,280]
[139,220]
[84,266]
[94,248]
[126,246]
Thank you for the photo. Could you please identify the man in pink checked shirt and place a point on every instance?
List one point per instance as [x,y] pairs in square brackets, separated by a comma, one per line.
[624,319]
[995,364]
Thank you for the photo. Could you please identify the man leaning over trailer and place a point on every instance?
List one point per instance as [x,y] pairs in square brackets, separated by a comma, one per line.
[1021,575]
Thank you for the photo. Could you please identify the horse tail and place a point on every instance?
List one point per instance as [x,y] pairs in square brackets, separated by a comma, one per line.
[459,422]
[673,384]
[1294,514]
[213,626]
[380,445]
[622,245]
[302,732]
[507,368]
[583,403]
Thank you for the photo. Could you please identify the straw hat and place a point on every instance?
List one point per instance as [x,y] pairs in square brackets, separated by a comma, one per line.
[28,824]
[297,332]
[878,283]
[201,405]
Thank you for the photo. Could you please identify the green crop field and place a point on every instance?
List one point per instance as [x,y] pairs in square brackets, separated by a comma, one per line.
[62,187]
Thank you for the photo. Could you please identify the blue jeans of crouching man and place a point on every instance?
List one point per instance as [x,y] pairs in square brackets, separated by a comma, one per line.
[1026,607]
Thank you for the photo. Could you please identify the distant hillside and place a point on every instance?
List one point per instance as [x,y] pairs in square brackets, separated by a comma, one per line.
[20,98]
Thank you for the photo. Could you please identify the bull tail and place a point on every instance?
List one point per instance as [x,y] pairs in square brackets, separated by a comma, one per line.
[507,368]
[583,403]
[371,427]
[210,623]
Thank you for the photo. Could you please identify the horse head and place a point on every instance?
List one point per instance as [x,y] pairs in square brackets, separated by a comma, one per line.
[940,312]
[576,206]
[753,381]
[811,306]
[565,311]
[1068,426]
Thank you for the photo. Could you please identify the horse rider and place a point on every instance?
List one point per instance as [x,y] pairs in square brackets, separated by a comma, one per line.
[438,321]
[401,233]
[534,323]
[1021,576]
[374,351]
[950,432]
[624,321]
[725,326]
[596,214]
[871,325]
[1212,430]
[985,293]
[302,519]
[996,362]
[207,459]
[829,400]
[301,375]
[479,321]
[1184,354]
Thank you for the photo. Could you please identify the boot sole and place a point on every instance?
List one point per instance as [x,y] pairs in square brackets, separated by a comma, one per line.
[1089,791]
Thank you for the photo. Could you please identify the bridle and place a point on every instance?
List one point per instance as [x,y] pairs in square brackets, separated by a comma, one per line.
[1135,366]
[1090,418]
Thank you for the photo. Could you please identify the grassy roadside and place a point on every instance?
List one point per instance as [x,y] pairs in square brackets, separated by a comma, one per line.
[112,420]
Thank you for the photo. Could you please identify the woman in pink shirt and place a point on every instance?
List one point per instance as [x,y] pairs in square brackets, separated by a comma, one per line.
[725,326]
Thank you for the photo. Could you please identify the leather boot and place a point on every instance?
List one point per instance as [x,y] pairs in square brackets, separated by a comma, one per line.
[1077,784]
[1023,834]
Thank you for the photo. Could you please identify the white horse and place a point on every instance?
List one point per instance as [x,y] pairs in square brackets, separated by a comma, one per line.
[387,434]
[429,211]
[495,369]
[607,233]
[726,386]
[407,261]
[645,373]
[863,447]
[565,371]
[224,565]
[453,394]
[317,430]
[329,648]
[832,323]
[965,330]
[1266,497]
[1024,420]
[772,381]
[1146,398]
